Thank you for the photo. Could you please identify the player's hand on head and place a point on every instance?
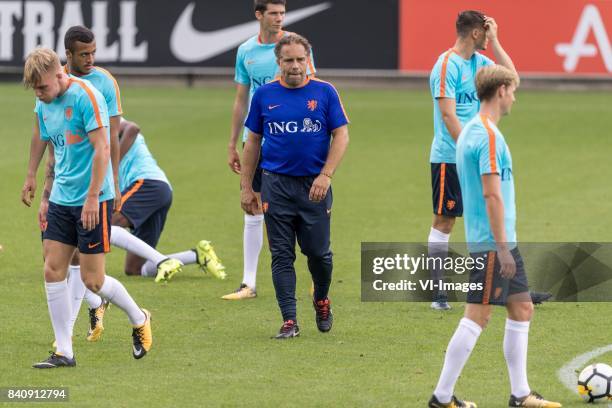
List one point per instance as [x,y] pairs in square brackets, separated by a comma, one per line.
[28,191]
[248,202]
[90,216]
[491,27]
[233,160]
[507,263]
[319,188]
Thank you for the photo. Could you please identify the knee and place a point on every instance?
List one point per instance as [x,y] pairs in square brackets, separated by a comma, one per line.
[319,257]
[443,224]
[120,220]
[76,260]
[53,273]
[132,271]
[522,311]
[484,320]
[92,283]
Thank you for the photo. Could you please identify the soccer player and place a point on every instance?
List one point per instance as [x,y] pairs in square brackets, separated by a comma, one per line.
[72,115]
[298,116]
[255,66]
[146,200]
[484,165]
[455,102]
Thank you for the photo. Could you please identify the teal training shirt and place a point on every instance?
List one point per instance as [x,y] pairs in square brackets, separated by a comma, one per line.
[453,77]
[256,66]
[66,122]
[108,87]
[482,149]
[138,163]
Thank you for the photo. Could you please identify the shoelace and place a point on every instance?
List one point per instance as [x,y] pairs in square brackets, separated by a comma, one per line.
[287,326]
[323,309]
[137,334]
[93,318]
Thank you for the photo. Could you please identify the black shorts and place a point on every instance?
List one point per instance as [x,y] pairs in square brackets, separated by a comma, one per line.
[64,225]
[446,191]
[145,204]
[495,289]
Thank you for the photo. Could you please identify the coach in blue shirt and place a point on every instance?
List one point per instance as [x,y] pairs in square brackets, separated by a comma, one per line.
[301,128]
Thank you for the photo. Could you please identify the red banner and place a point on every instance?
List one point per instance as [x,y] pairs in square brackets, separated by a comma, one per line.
[541,36]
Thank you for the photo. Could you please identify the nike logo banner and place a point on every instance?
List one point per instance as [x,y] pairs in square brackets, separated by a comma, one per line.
[160,36]
[190,45]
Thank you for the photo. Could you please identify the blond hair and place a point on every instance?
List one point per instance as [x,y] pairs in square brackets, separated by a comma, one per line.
[39,62]
[489,79]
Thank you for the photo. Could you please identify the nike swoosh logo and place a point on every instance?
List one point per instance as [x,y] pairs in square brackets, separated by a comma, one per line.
[273,106]
[92,246]
[190,45]
[137,352]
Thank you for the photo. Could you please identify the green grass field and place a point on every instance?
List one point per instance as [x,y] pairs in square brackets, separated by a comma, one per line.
[210,352]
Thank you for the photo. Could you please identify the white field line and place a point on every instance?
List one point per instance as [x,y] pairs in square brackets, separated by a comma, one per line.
[568,373]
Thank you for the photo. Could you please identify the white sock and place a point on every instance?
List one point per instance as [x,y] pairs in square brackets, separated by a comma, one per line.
[113,291]
[93,301]
[252,243]
[58,300]
[122,238]
[77,289]
[457,353]
[515,350]
[437,246]
[187,258]
[438,241]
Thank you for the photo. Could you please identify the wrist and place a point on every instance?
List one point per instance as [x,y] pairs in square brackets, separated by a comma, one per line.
[502,247]
[326,173]
[246,187]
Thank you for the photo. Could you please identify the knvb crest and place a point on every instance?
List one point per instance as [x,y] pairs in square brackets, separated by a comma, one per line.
[312,105]
[68,113]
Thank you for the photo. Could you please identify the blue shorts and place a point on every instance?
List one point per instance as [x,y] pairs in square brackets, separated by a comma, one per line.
[446,191]
[495,288]
[64,225]
[145,204]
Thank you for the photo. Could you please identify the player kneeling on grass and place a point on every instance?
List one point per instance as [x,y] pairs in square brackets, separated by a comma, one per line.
[72,115]
[146,200]
[484,165]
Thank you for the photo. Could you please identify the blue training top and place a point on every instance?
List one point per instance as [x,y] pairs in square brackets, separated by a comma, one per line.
[296,125]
